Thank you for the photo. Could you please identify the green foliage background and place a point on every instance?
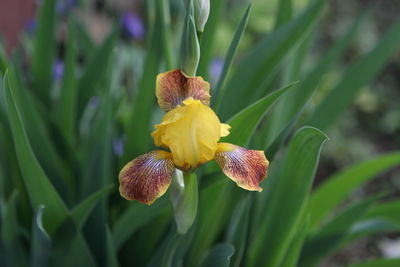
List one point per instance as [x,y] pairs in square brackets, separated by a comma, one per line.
[59,198]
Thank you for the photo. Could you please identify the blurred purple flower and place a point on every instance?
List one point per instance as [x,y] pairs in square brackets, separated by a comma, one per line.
[132,25]
[64,6]
[215,69]
[30,27]
[94,102]
[58,70]
[118,146]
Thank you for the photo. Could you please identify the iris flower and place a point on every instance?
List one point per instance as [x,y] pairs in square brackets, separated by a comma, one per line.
[189,132]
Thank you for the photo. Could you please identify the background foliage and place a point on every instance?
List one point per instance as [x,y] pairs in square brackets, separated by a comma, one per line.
[64,138]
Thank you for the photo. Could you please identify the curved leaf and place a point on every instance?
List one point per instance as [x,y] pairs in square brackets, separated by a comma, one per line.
[135,216]
[359,74]
[246,82]
[387,210]
[39,188]
[245,122]
[44,50]
[81,212]
[287,193]
[294,102]
[238,230]
[328,195]
[330,235]
[219,89]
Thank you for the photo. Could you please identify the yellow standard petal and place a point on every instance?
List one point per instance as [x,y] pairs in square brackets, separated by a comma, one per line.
[246,167]
[191,131]
[173,87]
[147,177]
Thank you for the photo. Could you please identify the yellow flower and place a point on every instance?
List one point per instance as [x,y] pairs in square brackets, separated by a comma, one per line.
[191,131]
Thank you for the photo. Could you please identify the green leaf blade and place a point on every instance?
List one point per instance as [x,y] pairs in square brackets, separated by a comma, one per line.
[245,122]
[295,101]
[294,180]
[219,89]
[96,68]
[336,188]
[246,82]
[66,109]
[326,239]
[37,184]
[44,50]
[359,74]
[81,212]
[134,217]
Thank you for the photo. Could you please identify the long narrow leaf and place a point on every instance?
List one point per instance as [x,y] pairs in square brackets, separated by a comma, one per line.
[70,248]
[44,50]
[329,237]
[112,258]
[82,211]
[169,53]
[37,184]
[282,213]
[359,74]
[133,218]
[215,202]
[387,210]
[95,68]
[336,188]
[253,70]
[38,134]
[371,227]
[67,104]
[137,131]
[293,253]
[219,89]
[239,229]
[295,100]
[246,121]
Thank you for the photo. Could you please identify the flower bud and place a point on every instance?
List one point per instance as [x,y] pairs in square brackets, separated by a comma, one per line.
[201,13]
[190,48]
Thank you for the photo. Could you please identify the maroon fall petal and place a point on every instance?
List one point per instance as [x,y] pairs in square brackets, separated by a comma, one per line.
[246,167]
[147,177]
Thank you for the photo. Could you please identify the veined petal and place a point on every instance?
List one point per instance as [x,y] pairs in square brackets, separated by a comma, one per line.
[246,167]
[173,87]
[147,177]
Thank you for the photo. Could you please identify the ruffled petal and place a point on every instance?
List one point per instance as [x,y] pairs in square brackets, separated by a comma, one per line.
[246,167]
[173,87]
[191,132]
[147,177]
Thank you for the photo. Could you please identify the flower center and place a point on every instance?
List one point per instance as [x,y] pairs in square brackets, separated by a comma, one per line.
[191,131]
